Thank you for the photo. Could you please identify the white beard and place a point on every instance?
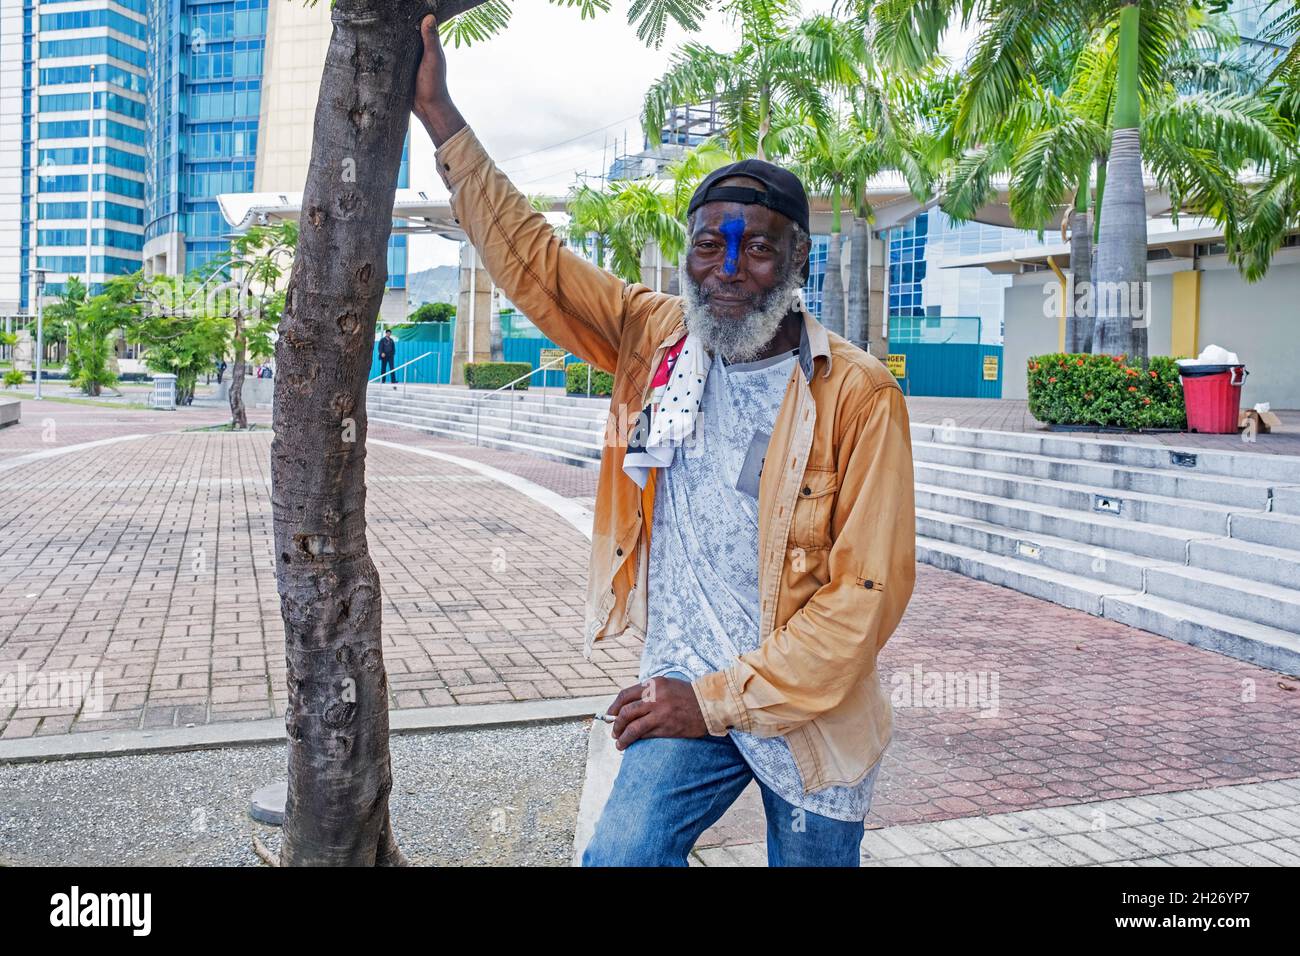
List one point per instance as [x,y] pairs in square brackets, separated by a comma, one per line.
[739,340]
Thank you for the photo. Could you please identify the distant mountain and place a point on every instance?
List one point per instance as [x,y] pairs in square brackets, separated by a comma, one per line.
[439,284]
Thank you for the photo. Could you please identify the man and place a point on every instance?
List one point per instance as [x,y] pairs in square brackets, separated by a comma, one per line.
[387,349]
[754,522]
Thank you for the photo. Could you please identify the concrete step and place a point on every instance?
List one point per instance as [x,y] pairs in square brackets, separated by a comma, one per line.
[523,397]
[1247,559]
[1228,594]
[466,431]
[1163,482]
[1276,530]
[499,405]
[1093,529]
[1059,587]
[1129,506]
[494,441]
[1276,469]
[1125,571]
[550,425]
[1260,644]
[1286,500]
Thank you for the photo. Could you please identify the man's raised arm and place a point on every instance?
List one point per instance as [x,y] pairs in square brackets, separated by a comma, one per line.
[576,304]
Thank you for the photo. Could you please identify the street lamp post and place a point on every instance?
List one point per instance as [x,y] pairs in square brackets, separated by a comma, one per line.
[40,326]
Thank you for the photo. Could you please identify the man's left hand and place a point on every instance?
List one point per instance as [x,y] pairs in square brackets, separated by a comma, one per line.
[659,707]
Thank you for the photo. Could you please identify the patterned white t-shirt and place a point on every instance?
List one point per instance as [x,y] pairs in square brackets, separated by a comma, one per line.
[703,576]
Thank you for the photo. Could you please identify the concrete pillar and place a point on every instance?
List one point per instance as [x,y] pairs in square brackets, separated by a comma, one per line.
[877,296]
[1184,334]
[473,311]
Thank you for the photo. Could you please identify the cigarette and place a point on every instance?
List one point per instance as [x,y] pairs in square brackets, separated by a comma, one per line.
[607,718]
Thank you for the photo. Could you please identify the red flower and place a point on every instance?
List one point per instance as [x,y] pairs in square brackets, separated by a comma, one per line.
[1146,401]
[1052,379]
[1078,361]
[1153,374]
[1132,388]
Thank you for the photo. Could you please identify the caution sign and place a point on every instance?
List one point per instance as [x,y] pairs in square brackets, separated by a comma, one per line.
[551,355]
[990,368]
[897,365]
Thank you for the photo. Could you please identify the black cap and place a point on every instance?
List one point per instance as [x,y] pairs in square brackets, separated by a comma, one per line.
[785,193]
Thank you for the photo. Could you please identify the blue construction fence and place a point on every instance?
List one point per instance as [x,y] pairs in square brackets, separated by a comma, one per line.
[954,369]
[948,369]
[428,348]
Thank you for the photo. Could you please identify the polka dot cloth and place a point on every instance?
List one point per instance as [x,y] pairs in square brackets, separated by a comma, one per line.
[673,410]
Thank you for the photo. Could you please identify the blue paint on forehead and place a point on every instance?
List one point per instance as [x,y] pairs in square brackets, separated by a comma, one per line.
[732,229]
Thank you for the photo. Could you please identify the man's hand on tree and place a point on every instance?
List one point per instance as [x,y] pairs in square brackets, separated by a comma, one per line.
[659,707]
[432,104]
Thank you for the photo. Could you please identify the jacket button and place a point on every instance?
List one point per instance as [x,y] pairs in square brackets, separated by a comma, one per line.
[807,490]
[619,552]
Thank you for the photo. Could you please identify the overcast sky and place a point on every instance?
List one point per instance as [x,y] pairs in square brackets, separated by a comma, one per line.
[552,95]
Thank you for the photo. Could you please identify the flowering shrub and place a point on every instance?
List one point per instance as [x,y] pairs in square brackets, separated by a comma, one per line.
[1105,390]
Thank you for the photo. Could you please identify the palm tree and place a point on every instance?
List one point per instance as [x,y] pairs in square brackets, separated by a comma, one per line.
[625,218]
[832,161]
[890,112]
[1274,202]
[782,72]
[1126,48]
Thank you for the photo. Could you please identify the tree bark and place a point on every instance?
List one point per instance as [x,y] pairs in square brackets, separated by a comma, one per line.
[856,323]
[1121,267]
[1078,325]
[238,416]
[337,718]
[833,289]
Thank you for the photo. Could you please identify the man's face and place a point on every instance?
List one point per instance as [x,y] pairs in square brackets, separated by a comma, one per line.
[743,267]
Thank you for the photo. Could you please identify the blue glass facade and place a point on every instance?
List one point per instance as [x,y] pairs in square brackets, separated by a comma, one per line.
[206,61]
[812,290]
[83,142]
[205,79]
[918,286]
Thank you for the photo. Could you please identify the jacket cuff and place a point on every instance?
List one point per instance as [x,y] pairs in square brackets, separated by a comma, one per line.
[720,704]
[458,155]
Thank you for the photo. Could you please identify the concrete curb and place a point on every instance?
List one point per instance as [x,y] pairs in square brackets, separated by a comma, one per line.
[79,746]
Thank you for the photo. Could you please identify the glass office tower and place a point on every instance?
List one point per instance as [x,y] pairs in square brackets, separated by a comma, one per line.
[81,160]
[205,79]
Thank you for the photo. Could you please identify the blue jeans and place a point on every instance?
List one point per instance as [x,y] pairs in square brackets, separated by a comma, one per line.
[669,790]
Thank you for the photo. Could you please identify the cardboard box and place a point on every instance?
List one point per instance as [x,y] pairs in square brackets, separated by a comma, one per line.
[1257,422]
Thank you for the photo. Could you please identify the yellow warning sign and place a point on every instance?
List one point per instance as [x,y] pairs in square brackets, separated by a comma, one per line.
[990,368]
[897,365]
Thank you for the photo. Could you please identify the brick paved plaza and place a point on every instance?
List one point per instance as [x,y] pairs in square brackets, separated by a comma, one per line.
[148,561]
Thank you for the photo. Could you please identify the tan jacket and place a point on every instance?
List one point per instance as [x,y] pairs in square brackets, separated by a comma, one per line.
[837,547]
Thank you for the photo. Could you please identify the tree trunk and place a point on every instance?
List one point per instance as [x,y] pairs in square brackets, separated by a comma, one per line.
[1078,325]
[764,121]
[833,289]
[495,345]
[1121,268]
[856,323]
[238,416]
[337,717]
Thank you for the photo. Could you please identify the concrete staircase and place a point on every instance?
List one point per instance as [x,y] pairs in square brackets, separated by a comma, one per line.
[561,428]
[1200,546]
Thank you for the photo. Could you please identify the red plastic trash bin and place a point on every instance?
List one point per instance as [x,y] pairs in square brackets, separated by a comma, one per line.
[1212,396]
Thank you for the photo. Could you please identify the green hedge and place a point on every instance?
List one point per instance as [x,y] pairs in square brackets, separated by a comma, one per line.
[492,375]
[1105,390]
[575,380]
